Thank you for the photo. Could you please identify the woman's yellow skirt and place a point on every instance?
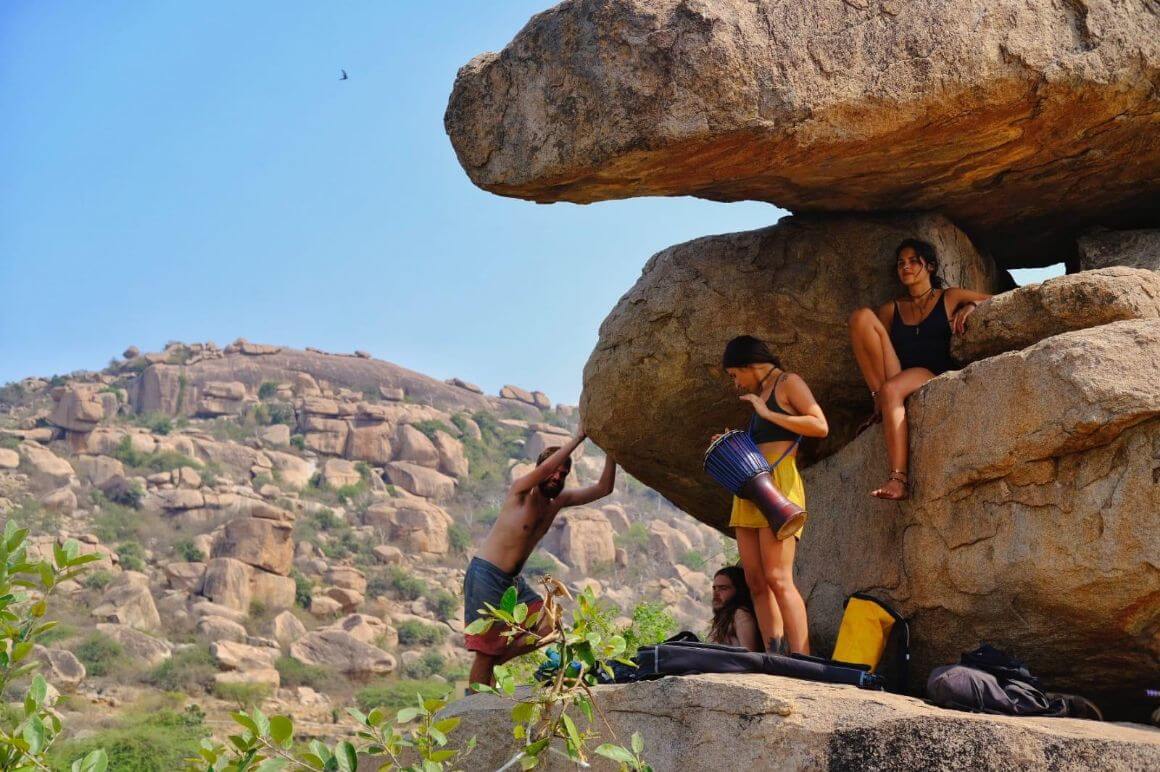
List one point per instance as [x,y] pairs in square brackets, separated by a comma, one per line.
[786,479]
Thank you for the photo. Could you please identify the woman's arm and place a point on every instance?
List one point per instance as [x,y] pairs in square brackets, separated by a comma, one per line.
[810,421]
[748,634]
[963,303]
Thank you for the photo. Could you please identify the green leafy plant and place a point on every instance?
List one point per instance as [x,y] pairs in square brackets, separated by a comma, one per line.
[132,556]
[26,586]
[415,740]
[694,560]
[545,720]
[267,390]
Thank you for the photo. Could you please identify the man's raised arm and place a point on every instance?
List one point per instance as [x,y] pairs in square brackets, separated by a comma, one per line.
[541,472]
[590,493]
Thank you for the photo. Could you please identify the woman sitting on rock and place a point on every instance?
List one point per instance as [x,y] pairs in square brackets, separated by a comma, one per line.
[904,344]
[785,412]
[734,622]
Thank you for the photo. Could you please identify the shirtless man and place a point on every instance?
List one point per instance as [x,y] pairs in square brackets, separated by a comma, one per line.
[526,515]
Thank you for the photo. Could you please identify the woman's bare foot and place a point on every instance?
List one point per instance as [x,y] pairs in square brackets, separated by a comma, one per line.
[895,489]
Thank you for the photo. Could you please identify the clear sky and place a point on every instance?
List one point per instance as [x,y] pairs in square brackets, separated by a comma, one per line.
[196,171]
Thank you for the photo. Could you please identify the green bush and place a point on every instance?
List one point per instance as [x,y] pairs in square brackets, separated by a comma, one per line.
[693,559]
[157,461]
[99,654]
[295,673]
[459,537]
[398,694]
[406,585]
[298,441]
[115,522]
[489,515]
[132,556]
[651,623]
[188,670]
[412,632]
[97,580]
[303,588]
[158,423]
[431,663]
[445,604]
[245,696]
[188,551]
[430,426]
[268,414]
[539,564]
[267,390]
[159,741]
[31,515]
[127,493]
[635,539]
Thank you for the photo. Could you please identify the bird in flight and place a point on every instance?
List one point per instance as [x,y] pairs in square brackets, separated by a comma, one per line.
[344,77]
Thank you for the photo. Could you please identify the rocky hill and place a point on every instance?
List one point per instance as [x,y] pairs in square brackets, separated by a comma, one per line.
[292,526]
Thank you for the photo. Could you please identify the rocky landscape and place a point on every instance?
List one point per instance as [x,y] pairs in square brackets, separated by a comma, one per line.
[1009,135]
[290,528]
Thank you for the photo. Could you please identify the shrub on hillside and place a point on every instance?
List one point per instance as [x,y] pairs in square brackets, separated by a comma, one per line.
[158,741]
[398,694]
[405,584]
[114,522]
[245,696]
[267,390]
[539,564]
[459,537]
[412,632]
[431,663]
[99,653]
[132,556]
[157,461]
[188,670]
[188,551]
[295,673]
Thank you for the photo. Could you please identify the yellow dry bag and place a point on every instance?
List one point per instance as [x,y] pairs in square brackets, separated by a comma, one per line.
[865,631]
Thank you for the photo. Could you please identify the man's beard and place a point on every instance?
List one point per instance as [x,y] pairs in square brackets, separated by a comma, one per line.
[551,489]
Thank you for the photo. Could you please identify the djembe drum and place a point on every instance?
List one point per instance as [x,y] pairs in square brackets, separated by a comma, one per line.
[734,461]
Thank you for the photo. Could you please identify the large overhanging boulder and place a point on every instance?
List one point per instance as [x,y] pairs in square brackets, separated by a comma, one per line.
[1033,519]
[654,392]
[1023,122]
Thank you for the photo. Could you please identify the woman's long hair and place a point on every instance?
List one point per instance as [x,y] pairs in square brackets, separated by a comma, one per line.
[722,628]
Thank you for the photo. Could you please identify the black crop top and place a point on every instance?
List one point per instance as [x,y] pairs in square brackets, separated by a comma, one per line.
[761,430]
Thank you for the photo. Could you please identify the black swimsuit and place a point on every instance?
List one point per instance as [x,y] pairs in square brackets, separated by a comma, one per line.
[926,344]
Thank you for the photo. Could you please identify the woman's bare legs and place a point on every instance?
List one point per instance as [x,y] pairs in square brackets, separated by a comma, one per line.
[872,349]
[777,559]
[768,617]
[892,397]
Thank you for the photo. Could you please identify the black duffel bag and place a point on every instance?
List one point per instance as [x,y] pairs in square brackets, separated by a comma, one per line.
[685,657]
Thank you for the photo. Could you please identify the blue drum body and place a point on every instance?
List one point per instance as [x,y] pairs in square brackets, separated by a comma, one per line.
[735,461]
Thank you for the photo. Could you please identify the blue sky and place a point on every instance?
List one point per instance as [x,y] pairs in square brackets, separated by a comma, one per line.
[196,171]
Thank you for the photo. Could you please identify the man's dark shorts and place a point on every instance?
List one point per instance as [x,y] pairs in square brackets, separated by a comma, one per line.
[486,583]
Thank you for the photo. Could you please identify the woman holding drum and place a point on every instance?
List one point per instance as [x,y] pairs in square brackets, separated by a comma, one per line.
[784,412]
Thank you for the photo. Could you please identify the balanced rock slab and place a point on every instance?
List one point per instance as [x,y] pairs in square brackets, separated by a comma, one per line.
[1023,122]
[654,392]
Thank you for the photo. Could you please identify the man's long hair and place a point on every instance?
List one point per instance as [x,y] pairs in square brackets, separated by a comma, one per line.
[722,628]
